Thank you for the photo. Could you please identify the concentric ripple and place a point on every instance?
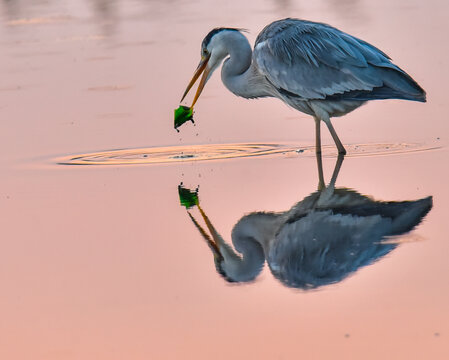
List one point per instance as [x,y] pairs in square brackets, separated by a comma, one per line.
[176,154]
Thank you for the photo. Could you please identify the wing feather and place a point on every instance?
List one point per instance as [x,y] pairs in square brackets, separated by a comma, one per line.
[314,61]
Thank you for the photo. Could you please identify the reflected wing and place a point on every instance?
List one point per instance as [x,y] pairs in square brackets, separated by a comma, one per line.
[323,248]
[326,245]
[314,61]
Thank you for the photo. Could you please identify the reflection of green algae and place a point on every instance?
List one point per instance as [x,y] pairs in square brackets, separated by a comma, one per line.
[187,198]
[182,115]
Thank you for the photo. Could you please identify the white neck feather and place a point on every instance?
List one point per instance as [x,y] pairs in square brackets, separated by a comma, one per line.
[238,73]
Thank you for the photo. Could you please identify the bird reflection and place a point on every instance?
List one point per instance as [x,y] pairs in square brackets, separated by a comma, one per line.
[321,240]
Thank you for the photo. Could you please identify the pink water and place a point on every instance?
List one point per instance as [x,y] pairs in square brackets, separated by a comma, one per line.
[101,262]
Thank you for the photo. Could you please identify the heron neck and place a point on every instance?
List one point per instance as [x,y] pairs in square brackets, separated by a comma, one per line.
[237,72]
[250,238]
[259,227]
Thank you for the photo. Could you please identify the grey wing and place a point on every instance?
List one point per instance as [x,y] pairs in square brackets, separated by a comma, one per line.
[316,61]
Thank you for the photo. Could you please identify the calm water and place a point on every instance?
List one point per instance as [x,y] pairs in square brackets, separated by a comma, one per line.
[103,262]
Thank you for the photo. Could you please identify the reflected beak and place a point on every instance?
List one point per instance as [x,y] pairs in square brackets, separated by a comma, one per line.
[215,236]
[212,242]
[201,67]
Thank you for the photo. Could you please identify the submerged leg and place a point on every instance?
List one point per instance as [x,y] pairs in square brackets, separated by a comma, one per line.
[340,147]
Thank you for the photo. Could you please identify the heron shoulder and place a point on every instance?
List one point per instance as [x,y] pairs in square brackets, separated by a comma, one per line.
[315,60]
[282,27]
[318,44]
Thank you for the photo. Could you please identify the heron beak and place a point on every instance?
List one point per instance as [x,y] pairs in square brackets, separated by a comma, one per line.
[212,244]
[215,235]
[201,67]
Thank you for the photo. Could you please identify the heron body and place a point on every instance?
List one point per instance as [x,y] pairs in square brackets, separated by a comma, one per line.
[313,67]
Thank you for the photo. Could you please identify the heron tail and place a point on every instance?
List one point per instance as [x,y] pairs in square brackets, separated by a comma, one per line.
[411,215]
[397,84]
[400,85]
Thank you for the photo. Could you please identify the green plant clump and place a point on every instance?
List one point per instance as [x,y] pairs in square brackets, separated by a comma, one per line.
[182,115]
[187,198]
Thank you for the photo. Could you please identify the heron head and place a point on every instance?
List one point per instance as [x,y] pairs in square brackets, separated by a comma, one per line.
[238,269]
[213,52]
[235,269]
[232,267]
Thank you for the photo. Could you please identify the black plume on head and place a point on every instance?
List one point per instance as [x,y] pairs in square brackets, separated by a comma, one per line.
[215,31]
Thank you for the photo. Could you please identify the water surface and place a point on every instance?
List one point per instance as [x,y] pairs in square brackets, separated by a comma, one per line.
[102,262]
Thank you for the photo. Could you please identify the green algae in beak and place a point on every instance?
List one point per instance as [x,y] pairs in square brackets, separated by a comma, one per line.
[182,115]
[187,198]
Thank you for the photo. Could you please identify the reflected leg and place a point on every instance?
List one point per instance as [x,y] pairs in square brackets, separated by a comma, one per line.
[336,169]
[319,163]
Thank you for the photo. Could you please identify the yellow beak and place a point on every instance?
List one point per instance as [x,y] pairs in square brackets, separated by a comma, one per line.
[201,67]
[212,242]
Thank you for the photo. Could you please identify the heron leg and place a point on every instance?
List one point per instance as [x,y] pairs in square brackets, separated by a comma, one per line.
[317,135]
[340,147]
[319,161]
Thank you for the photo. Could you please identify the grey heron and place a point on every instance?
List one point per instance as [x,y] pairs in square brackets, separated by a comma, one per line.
[313,67]
[321,240]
